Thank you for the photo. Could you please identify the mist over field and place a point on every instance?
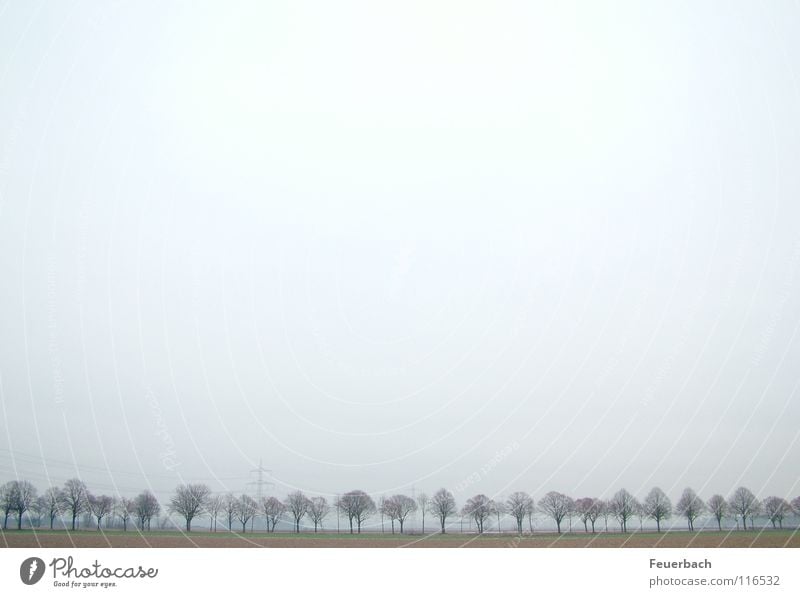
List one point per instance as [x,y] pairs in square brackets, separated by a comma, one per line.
[400,246]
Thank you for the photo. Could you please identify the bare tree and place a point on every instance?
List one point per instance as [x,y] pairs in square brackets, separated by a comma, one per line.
[718,508]
[146,506]
[755,512]
[383,510]
[589,510]
[229,507]
[796,505]
[657,506]
[404,506]
[623,507]
[273,509]
[519,505]
[246,508]
[357,506]
[388,509]
[442,505]
[38,511]
[557,506]
[124,508]
[743,503]
[605,511]
[776,509]
[479,507]
[24,496]
[8,500]
[100,506]
[318,510]
[298,505]
[499,511]
[214,505]
[189,501]
[422,502]
[690,506]
[74,499]
[52,500]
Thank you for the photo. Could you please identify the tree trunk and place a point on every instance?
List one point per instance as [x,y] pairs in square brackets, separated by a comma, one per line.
[658,524]
[558,526]
[719,523]
[744,523]
[74,516]
[585,527]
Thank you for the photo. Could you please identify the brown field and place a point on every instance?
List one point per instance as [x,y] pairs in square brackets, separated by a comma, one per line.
[162,539]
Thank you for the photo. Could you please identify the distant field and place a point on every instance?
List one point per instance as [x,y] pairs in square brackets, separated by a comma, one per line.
[27,538]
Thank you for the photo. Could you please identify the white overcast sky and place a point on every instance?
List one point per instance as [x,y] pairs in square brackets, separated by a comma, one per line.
[393,244]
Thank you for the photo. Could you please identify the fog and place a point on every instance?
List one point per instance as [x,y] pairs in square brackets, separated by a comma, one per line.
[398,246]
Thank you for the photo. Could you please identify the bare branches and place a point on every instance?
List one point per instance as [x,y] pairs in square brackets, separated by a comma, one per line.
[519,505]
[357,506]
[298,505]
[657,506]
[479,508]
[273,509]
[422,502]
[146,506]
[318,510]
[718,508]
[74,498]
[214,506]
[442,505]
[189,501]
[776,509]
[623,507]
[557,506]
[690,506]
[246,508]
[100,506]
[743,503]
[589,510]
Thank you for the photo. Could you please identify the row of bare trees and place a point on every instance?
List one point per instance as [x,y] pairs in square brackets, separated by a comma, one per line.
[70,501]
[194,500]
[623,507]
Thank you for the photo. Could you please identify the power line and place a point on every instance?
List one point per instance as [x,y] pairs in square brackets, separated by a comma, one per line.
[32,459]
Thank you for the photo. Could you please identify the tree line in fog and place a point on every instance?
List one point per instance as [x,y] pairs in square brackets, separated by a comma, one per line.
[20,500]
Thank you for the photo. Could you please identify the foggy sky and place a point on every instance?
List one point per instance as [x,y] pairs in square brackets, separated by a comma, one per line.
[491,246]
